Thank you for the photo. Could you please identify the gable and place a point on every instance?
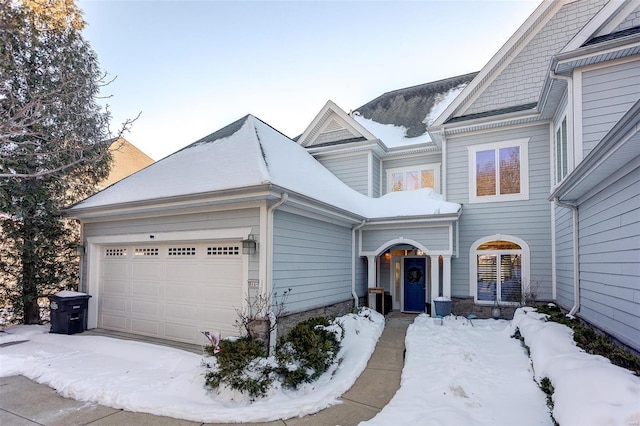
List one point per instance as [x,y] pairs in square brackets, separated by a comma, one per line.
[332,126]
[520,82]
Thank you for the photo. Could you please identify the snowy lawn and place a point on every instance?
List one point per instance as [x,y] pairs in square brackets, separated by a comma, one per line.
[456,373]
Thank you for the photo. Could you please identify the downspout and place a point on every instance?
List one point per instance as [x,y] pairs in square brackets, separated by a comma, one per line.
[353,262]
[576,255]
[556,200]
[443,169]
[269,260]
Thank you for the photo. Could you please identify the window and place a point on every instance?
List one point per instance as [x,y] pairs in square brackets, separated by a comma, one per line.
[417,177]
[561,151]
[499,172]
[499,269]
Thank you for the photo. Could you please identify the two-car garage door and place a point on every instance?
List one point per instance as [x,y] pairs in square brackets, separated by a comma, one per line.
[170,291]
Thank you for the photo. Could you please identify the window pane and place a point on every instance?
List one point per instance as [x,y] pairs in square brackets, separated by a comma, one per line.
[499,245]
[485,173]
[487,274]
[510,278]
[398,182]
[510,170]
[428,180]
[413,180]
[564,147]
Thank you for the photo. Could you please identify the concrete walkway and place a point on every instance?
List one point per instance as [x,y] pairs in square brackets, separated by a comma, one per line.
[24,402]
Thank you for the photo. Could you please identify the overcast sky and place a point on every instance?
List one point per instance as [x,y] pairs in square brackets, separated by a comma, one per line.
[192,67]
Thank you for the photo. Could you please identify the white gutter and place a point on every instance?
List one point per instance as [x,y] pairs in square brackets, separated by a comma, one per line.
[443,169]
[556,200]
[269,261]
[353,262]
[576,255]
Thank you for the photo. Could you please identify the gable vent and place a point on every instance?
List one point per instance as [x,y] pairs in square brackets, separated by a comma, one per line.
[333,126]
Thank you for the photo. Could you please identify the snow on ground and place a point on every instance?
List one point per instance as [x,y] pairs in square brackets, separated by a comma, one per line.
[456,373]
[459,373]
[589,390]
[142,377]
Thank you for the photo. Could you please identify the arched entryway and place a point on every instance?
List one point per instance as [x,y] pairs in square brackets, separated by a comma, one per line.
[411,275]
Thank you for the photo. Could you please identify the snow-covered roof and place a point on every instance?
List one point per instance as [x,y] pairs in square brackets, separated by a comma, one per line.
[250,153]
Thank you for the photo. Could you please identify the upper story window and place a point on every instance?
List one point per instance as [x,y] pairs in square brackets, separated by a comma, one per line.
[561,151]
[415,177]
[499,172]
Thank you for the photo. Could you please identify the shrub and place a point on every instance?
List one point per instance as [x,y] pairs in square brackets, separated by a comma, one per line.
[241,365]
[307,351]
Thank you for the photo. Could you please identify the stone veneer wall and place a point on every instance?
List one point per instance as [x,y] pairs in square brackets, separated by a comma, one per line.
[286,323]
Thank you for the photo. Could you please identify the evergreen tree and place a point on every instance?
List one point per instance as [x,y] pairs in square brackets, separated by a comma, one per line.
[53,147]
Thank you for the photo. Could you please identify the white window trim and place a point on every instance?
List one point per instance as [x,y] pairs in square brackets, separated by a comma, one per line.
[432,166]
[523,144]
[473,265]
[570,147]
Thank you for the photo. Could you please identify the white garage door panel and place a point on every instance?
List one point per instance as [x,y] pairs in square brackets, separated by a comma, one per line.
[172,291]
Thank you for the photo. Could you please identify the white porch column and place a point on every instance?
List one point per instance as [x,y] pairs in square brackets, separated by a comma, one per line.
[435,282]
[446,276]
[371,271]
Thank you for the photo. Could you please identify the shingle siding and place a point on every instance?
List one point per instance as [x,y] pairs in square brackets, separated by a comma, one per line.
[529,220]
[313,258]
[633,20]
[610,258]
[607,94]
[521,81]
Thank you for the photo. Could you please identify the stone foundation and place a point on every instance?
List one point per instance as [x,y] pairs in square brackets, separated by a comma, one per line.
[286,323]
[464,306]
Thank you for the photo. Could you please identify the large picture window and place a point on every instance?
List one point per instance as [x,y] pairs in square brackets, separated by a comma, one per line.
[410,178]
[499,172]
[499,271]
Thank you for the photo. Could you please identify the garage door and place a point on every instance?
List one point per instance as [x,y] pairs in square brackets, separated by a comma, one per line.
[171,291]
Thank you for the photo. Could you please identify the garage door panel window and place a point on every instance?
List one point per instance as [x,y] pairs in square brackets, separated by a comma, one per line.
[223,251]
[182,251]
[115,252]
[146,251]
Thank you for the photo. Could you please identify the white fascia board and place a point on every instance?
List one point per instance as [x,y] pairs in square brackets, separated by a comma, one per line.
[494,66]
[183,202]
[162,237]
[625,8]
[375,145]
[330,108]
[412,221]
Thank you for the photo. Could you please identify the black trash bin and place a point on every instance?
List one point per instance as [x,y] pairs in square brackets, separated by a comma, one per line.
[68,312]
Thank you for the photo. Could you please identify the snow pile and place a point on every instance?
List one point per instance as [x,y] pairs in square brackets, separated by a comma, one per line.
[442,102]
[141,377]
[588,388]
[463,373]
[391,135]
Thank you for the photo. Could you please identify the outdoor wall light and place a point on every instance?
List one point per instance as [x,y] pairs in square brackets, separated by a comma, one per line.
[249,246]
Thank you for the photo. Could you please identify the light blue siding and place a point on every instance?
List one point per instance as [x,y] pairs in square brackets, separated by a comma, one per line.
[528,220]
[564,257]
[353,170]
[361,276]
[313,258]
[433,238]
[607,93]
[610,259]
[375,177]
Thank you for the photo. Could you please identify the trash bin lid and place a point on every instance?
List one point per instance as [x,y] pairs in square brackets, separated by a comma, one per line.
[67,294]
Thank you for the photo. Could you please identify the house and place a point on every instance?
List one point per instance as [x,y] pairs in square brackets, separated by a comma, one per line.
[165,247]
[558,107]
[515,183]
[126,160]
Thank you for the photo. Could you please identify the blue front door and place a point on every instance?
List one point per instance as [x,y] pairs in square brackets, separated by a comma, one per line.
[415,279]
